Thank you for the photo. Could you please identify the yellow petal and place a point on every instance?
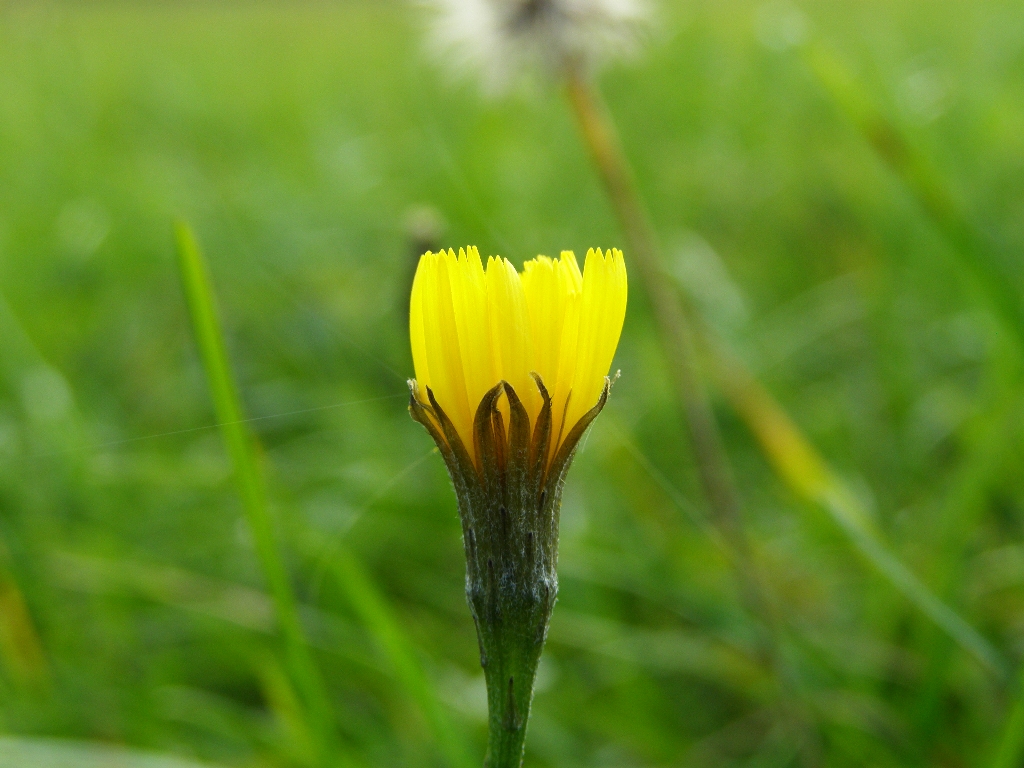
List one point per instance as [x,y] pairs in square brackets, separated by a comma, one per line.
[602,312]
[469,296]
[509,326]
[471,328]
[444,356]
[553,293]
[417,335]
[545,302]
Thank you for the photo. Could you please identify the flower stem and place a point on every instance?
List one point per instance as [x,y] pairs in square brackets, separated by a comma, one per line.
[511,543]
[510,675]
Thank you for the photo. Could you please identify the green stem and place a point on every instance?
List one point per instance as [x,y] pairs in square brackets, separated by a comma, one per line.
[511,587]
[511,583]
[510,677]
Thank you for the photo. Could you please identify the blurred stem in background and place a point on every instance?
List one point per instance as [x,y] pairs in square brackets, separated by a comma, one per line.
[241,447]
[680,346]
[793,457]
[677,336]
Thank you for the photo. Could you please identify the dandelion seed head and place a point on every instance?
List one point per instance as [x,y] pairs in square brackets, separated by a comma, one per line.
[500,39]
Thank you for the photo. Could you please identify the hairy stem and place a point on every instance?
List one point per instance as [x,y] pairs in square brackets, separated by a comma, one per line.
[511,543]
[509,507]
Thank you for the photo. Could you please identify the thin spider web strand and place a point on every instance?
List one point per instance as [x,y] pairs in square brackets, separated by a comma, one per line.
[206,427]
[327,552]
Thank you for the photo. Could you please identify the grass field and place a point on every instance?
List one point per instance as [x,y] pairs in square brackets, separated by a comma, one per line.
[300,140]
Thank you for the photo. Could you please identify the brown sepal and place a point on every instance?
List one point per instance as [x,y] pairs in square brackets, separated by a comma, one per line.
[425,416]
[540,446]
[462,464]
[567,449]
[488,450]
[517,454]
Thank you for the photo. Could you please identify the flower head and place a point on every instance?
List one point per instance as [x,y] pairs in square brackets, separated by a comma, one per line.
[499,37]
[549,333]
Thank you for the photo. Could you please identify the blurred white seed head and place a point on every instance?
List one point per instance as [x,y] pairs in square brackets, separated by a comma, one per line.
[498,39]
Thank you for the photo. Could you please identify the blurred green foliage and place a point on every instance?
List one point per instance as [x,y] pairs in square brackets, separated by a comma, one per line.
[301,141]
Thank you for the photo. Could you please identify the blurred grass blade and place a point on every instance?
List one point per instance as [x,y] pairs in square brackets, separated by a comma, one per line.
[234,604]
[285,703]
[57,753]
[20,645]
[1010,751]
[974,248]
[379,620]
[666,651]
[251,609]
[807,474]
[249,478]
[46,399]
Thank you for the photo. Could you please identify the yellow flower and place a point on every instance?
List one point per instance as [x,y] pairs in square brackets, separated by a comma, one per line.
[472,328]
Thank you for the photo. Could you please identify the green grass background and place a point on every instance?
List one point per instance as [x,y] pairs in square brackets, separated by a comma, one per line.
[297,138]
